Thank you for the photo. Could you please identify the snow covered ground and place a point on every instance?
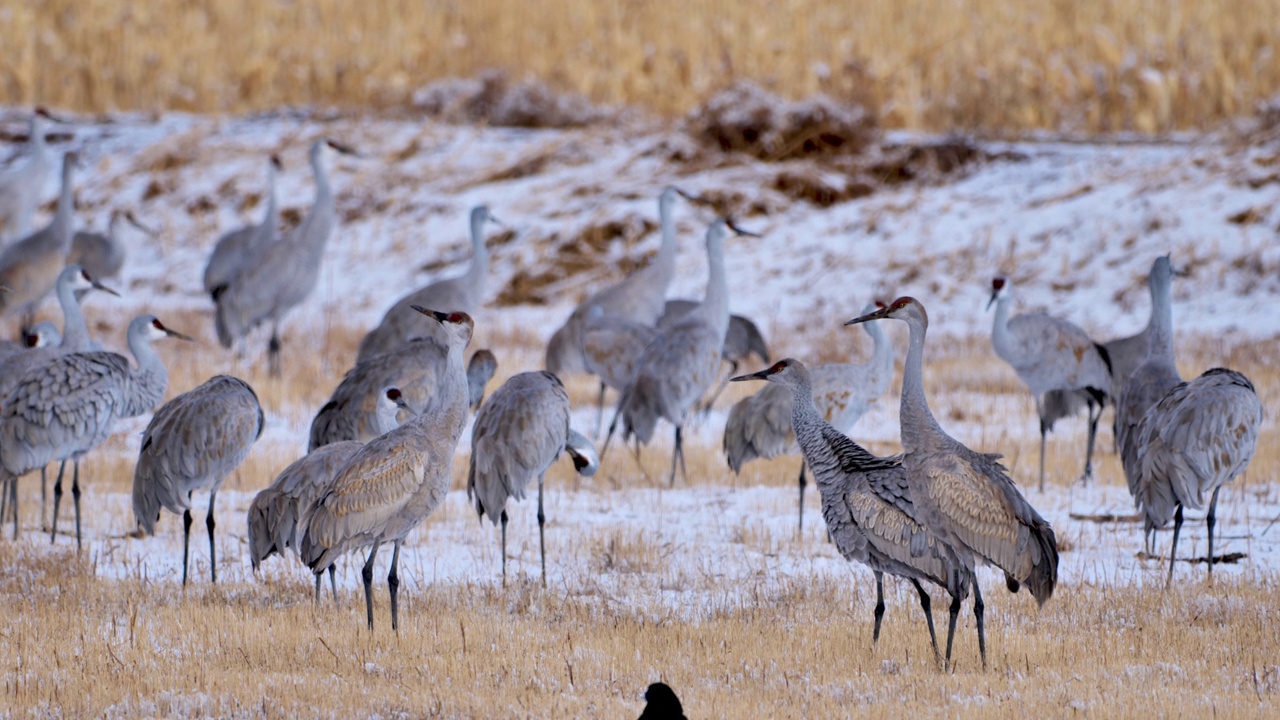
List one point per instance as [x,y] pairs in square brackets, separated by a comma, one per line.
[1075,225]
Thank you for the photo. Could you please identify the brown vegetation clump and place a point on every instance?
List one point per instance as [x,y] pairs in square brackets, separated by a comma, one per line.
[492,98]
[577,257]
[747,118]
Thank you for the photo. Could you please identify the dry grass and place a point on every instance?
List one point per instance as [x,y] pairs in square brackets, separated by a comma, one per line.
[1098,65]
[789,644]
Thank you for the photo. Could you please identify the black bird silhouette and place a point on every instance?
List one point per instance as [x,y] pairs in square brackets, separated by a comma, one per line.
[662,704]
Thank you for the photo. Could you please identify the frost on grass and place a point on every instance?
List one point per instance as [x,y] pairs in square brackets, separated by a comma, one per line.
[493,98]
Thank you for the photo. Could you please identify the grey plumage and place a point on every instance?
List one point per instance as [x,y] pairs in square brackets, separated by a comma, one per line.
[237,248]
[760,426]
[1127,353]
[639,297]
[65,407]
[283,275]
[463,293]
[1199,437]
[30,266]
[191,445]
[395,481]
[611,345]
[866,502]
[1051,354]
[742,338]
[681,363]
[102,256]
[416,367]
[518,434]
[1153,378]
[275,518]
[480,370]
[22,183]
[964,497]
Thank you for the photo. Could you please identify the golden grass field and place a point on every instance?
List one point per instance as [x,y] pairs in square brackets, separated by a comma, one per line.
[80,645]
[1090,66]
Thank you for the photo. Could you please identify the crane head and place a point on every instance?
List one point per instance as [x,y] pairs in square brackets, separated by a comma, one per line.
[341,148]
[459,324]
[904,308]
[158,330]
[780,372]
[134,221]
[276,162]
[80,279]
[999,289]
[739,230]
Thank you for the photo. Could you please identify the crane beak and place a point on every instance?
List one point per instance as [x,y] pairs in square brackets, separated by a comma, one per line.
[493,219]
[99,286]
[877,315]
[992,301]
[344,149]
[44,113]
[134,221]
[439,316]
[762,375]
[173,333]
[740,231]
[691,197]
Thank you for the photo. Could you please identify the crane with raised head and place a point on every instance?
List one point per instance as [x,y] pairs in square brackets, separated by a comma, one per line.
[29,267]
[237,248]
[463,293]
[867,503]
[675,370]
[1051,354]
[966,498]
[103,255]
[22,183]
[395,481]
[760,426]
[283,275]
[64,408]
[742,339]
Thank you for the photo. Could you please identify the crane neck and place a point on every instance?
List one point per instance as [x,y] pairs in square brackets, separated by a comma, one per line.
[1001,339]
[61,222]
[882,349]
[916,419]
[1160,342]
[479,268]
[715,304]
[664,263]
[318,172]
[75,334]
[269,217]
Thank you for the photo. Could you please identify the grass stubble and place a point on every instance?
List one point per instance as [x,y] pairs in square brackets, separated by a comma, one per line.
[791,645]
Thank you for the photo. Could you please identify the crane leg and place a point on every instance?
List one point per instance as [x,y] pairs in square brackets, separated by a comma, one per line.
[928,616]
[803,482]
[57,499]
[10,490]
[393,586]
[502,519]
[1210,521]
[678,454]
[600,409]
[209,523]
[542,539]
[875,634]
[186,543]
[4,496]
[951,624]
[613,425]
[366,574]
[1173,549]
[333,584]
[978,608]
[316,602]
[1044,431]
[75,497]
[273,353]
[44,497]
[1094,417]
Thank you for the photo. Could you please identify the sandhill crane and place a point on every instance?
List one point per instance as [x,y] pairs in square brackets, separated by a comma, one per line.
[760,426]
[101,255]
[1198,438]
[741,340]
[237,248]
[480,370]
[639,297]
[1127,353]
[284,274]
[417,368]
[1153,378]
[661,703]
[395,481]
[680,364]
[191,445]
[964,497]
[277,510]
[30,266]
[518,433]
[65,407]
[22,184]
[866,502]
[464,293]
[611,345]
[46,343]
[1050,353]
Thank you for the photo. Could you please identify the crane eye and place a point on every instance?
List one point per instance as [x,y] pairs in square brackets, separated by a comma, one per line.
[997,283]
[455,317]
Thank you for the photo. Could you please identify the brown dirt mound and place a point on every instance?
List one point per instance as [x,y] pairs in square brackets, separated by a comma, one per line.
[747,118]
[578,257]
[493,98]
